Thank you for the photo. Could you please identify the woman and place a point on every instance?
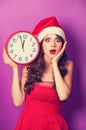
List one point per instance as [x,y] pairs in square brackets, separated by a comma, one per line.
[46,82]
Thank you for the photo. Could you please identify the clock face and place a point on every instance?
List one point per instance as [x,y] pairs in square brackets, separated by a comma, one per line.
[22,47]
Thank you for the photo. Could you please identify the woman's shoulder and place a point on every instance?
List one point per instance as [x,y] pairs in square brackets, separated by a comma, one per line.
[24,70]
[69,64]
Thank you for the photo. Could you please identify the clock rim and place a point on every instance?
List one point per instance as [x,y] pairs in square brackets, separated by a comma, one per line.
[22,31]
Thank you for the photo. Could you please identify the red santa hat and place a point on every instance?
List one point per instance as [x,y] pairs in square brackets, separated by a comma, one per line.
[48,26]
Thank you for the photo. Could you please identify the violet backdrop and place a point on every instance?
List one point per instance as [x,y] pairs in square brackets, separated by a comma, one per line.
[18,15]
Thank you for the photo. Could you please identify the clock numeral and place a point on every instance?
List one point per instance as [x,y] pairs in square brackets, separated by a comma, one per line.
[20,58]
[31,55]
[11,51]
[25,36]
[11,45]
[34,50]
[30,39]
[26,58]
[22,36]
[18,36]
[14,56]
[33,43]
[14,39]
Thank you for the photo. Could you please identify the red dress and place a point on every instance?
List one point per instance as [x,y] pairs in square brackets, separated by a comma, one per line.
[42,110]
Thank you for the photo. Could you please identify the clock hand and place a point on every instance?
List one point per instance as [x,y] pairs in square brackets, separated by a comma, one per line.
[23,44]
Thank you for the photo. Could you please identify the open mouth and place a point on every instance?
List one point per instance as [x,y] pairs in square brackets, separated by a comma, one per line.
[53,51]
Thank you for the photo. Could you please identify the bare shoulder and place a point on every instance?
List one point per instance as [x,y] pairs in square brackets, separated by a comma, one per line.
[24,68]
[69,65]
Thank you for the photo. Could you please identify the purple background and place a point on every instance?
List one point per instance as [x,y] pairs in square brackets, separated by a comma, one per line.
[18,15]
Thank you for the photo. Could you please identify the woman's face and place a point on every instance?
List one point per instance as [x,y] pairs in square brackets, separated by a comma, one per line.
[51,45]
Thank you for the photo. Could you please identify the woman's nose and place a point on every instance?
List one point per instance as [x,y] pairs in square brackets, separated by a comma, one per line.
[53,43]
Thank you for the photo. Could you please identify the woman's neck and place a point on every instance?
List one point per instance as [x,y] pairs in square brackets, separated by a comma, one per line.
[48,62]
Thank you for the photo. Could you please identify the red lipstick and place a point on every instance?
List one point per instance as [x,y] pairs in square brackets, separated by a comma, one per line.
[53,51]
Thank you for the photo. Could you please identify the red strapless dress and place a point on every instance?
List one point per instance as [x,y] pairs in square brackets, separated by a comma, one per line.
[42,110]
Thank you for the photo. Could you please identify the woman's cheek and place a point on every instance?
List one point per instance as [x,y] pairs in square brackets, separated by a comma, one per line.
[59,49]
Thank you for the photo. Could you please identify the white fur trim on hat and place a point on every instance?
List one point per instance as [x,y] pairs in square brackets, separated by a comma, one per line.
[51,30]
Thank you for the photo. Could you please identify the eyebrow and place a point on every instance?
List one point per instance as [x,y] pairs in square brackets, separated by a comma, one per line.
[47,37]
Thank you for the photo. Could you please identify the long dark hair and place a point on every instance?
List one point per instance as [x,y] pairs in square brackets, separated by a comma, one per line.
[35,70]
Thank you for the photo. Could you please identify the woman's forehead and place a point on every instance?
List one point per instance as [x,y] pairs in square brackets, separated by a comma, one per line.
[51,36]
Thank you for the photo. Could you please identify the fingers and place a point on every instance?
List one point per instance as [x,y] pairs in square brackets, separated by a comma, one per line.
[5,56]
[64,47]
[7,60]
[62,50]
[4,53]
[65,44]
[59,54]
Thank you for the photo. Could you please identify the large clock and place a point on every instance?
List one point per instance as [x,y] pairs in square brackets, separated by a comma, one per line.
[22,47]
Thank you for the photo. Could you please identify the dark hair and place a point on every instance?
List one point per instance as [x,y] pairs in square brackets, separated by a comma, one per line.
[36,69]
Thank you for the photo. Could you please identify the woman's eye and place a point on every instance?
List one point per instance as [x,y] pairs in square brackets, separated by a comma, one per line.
[47,40]
[58,40]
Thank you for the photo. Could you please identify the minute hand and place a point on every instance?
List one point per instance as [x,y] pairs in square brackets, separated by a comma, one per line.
[23,45]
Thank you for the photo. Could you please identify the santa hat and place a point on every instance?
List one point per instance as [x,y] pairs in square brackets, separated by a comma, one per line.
[48,26]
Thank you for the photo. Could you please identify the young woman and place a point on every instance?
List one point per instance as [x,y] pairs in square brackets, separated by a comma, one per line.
[45,83]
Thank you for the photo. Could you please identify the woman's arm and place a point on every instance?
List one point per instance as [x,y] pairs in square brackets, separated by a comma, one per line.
[18,94]
[63,85]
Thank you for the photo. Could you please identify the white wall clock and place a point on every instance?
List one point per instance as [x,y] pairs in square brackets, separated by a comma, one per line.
[22,47]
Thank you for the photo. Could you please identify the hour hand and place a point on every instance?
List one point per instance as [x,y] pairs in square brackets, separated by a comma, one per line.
[22,43]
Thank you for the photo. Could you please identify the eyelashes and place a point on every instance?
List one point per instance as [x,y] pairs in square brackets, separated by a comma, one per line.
[47,40]
[57,40]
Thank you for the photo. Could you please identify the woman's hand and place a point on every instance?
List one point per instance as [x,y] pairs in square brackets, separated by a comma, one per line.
[8,61]
[59,55]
